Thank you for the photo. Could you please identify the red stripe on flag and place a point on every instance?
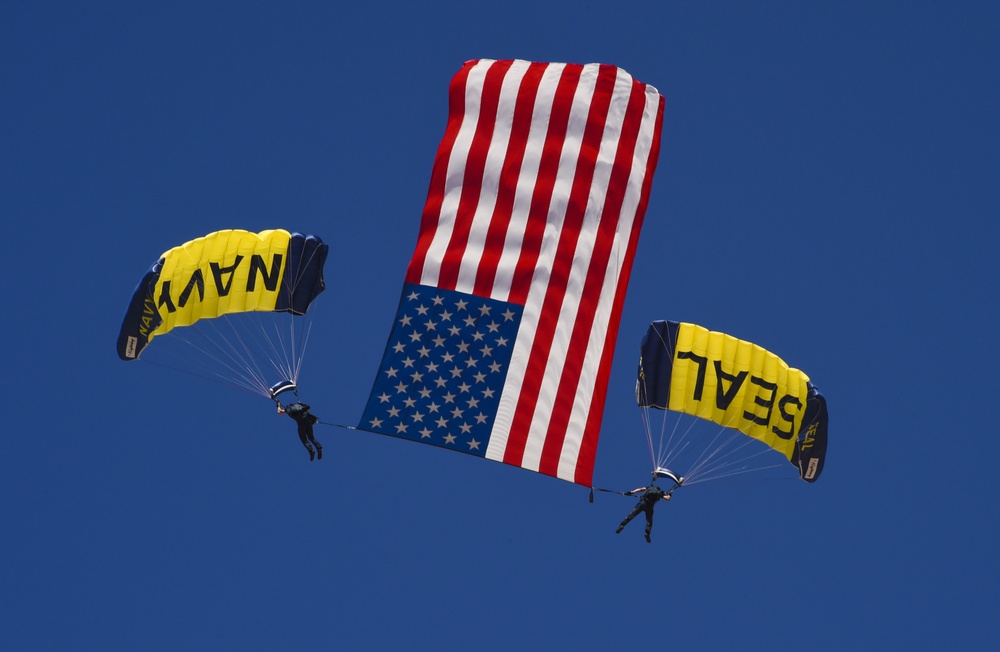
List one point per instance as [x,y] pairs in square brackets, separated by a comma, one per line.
[593,287]
[507,190]
[562,267]
[439,173]
[472,182]
[541,197]
[588,452]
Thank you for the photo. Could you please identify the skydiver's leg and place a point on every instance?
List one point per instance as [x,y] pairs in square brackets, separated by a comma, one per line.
[304,436]
[635,512]
[649,522]
[319,447]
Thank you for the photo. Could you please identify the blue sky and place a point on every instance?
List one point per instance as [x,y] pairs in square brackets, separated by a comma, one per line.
[827,188]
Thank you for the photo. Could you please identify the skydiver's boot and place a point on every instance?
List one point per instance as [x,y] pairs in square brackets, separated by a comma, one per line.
[620,528]
[648,540]
[319,451]
[312,454]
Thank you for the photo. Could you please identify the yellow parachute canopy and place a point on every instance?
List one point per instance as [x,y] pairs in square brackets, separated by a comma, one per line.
[223,272]
[739,385]
[231,271]
[735,384]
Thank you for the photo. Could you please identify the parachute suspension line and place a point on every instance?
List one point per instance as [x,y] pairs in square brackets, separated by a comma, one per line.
[647,430]
[287,346]
[721,459]
[237,351]
[663,450]
[215,378]
[231,360]
[708,454]
[736,472]
[291,360]
[293,356]
[237,378]
[299,350]
[672,451]
[295,351]
[284,349]
[671,447]
[280,349]
[247,357]
[304,263]
[667,449]
[302,352]
[733,456]
[242,359]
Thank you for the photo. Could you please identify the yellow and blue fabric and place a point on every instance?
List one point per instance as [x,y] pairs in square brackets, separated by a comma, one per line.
[222,273]
[736,384]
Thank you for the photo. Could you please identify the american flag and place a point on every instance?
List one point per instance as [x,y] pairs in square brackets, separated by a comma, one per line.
[503,341]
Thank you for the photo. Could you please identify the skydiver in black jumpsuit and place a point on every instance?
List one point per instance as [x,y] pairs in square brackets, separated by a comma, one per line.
[305,420]
[647,501]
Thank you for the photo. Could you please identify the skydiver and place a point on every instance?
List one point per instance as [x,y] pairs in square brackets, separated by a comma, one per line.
[305,420]
[647,501]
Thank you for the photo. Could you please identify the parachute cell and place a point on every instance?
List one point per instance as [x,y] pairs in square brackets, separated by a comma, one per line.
[688,369]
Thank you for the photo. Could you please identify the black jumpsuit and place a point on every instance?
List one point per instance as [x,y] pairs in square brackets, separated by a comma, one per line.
[647,501]
[305,420]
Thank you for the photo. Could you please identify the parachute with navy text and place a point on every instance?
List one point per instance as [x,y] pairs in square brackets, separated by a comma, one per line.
[228,306]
